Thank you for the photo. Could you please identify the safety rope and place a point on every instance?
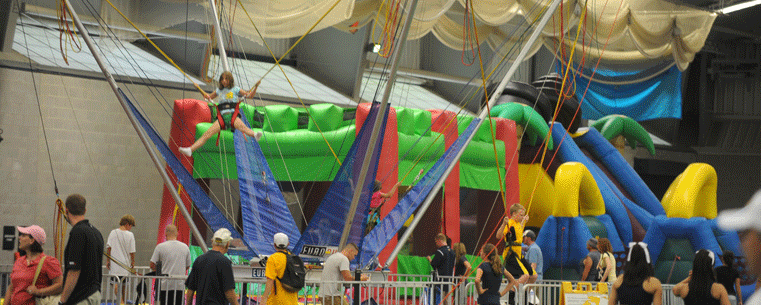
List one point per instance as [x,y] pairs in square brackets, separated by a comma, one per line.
[66,34]
[557,109]
[59,231]
[157,48]
[277,63]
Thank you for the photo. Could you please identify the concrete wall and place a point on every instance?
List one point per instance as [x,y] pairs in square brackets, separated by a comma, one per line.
[94,151]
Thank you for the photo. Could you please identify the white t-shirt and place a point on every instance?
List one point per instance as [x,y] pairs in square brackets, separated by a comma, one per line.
[174,256]
[122,243]
[331,275]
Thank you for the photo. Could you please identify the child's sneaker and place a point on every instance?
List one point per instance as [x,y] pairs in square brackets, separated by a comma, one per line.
[186,151]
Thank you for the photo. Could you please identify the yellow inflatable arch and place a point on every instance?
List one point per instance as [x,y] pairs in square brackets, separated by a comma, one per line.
[693,193]
[580,193]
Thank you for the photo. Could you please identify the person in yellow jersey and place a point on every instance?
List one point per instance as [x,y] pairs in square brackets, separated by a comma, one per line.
[274,293]
[512,231]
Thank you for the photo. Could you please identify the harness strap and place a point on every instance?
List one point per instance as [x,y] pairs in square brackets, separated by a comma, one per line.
[221,120]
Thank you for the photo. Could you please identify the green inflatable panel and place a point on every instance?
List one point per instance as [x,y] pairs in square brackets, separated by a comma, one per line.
[681,268]
[296,150]
[595,226]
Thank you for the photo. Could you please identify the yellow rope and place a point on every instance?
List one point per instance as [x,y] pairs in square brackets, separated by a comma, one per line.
[277,63]
[157,48]
[488,108]
[277,60]
[176,207]
[560,96]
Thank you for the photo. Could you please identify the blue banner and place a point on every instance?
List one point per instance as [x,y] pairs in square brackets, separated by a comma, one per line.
[655,98]
[263,209]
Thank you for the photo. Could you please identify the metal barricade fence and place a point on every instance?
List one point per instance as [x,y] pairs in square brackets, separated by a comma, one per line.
[384,288]
[548,292]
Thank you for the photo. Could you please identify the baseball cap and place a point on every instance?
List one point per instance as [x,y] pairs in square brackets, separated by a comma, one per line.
[592,243]
[35,231]
[530,234]
[281,240]
[744,218]
[222,236]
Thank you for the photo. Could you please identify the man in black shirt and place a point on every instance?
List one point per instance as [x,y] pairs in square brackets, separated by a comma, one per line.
[442,262]
[83,256]
[211,278]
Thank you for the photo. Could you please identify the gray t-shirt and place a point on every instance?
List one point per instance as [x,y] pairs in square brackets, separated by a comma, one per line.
[592,276]
[331,275]
[174,256]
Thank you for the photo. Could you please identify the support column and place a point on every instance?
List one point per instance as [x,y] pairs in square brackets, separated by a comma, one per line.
[8,23]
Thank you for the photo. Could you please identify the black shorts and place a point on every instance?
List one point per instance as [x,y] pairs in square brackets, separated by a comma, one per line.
[518,266]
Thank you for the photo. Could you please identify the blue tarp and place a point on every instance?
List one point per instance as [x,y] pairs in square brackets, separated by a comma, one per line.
[213,216]
[263,208]
[327,224]
[381,234]
[658,97]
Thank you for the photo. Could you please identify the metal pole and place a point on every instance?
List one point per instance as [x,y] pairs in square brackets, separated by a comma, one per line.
[218,29]
[140,132]
[482,115]
[376,126]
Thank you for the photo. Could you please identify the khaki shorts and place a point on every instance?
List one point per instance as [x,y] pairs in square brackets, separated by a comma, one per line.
[93,299]
[335,300]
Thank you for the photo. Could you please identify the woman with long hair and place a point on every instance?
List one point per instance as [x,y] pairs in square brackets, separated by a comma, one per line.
[607,265]
[728,276]
[34,274]
[462,268]
[489,277]
[700,287]
[637,285]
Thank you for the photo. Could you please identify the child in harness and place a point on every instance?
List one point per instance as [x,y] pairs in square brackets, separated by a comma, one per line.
[227,111]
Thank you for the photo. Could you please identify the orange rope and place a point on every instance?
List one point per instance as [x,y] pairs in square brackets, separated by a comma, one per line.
[488,109]
[60,229]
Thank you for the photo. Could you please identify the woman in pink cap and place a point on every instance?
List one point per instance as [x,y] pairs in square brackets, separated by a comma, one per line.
[49,281]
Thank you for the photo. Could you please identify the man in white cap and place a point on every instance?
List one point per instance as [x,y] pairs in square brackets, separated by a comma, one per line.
[211,279]
[746,222]
[273,291]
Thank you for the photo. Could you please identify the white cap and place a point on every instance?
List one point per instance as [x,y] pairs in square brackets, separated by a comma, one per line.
[742,219]
[222,236]
[281,240]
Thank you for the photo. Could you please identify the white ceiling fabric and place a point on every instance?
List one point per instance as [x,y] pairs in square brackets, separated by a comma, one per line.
[639,30]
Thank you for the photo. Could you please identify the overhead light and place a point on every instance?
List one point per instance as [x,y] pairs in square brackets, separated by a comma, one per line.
[376,48]
[739,6]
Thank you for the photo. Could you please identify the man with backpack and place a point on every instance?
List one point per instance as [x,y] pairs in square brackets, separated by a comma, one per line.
[211,279]
[285,275]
